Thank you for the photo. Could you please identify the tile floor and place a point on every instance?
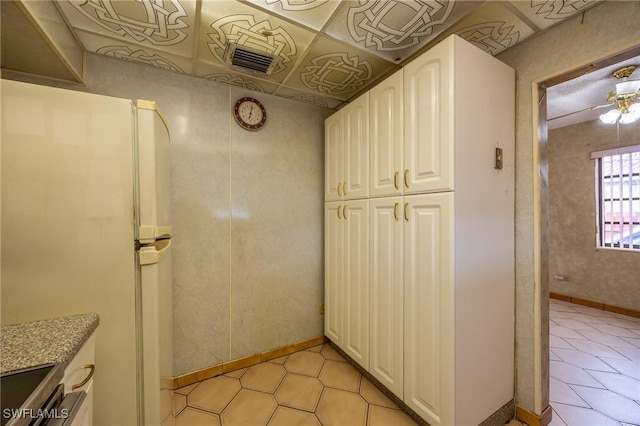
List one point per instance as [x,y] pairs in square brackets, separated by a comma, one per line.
[594,366]
[311,387]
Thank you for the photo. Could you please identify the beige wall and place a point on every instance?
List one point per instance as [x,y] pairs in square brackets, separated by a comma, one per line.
[603,275]
[603,28]
[253,282]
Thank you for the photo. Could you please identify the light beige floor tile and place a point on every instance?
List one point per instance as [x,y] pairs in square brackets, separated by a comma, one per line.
[179,403]
[285,416]
[305,362]
[340,408]
[582,360]
[263,377]
[562,392]
[317,348]
[280,360]
[214,394]
[373,395]
[595,348]
[249,408]
[381,416]
[340,375]
[236,374]
[191,417]
[571,374]
[329,353]
[186,389]
[301,392]
[579,416]
[610,404]
[619,383]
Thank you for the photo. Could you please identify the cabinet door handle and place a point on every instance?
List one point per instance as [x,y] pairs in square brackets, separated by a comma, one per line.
[338,210]
[406,178]
[91,368]
[395,211]
[406,217]
[395,180]
[344,188]
[344,212]
[338,188]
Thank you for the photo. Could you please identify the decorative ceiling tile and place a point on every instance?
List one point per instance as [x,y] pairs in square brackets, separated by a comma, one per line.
[166,25]
[328,51]
[333,69]
[132,53]
[224,22]
[492,27]
[297,95]
[311,13]
[227,76]
[395,29]
[545,13]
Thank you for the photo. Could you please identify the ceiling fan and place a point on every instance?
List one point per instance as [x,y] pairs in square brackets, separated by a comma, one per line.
[623,99]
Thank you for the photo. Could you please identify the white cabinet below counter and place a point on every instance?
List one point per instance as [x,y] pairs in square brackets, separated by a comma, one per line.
[78,377]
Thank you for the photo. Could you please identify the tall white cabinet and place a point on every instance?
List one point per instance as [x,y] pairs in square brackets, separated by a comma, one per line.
[440,285]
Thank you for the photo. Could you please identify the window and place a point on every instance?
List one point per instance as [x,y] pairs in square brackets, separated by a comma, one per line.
[618,197]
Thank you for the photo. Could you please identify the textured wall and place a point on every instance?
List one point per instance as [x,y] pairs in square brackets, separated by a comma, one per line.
[253,282]
[602,275]
[577,40]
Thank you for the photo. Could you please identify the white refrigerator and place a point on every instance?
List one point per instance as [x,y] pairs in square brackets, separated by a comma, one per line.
[86,227]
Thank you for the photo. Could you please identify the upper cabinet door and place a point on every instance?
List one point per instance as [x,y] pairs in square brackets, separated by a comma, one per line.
[386,129]
[334,163]
[356,148]
[428,121]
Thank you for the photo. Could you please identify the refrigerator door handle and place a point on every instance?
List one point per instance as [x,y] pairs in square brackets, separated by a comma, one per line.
[154,253]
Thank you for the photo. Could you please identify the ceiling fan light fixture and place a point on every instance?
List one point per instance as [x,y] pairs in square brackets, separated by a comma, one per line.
[632,116]
[610,117]
[629,87]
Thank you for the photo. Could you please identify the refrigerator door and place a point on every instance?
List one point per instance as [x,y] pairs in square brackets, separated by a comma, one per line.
[157,332]
[153,210]
[67,228]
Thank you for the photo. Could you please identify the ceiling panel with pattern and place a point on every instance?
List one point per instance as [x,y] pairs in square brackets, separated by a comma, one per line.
[328,51]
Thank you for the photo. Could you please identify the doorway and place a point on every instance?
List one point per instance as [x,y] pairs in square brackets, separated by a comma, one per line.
[558,314]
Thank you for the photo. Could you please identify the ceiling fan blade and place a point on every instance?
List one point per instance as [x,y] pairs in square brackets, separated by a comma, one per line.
[579,111]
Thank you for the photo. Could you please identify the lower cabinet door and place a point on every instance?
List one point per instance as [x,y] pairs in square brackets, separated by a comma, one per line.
[356,280]
[334,272]
[386,292]
[429,355]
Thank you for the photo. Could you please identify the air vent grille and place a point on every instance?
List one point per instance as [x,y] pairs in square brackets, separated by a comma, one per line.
[250,58]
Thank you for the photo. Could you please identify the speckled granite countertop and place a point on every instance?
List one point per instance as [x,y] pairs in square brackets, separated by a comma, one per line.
[55,340]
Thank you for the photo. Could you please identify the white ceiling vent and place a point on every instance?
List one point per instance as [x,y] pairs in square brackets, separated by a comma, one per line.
[247,57]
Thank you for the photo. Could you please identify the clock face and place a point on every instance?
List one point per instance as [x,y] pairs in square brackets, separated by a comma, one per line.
[250,114]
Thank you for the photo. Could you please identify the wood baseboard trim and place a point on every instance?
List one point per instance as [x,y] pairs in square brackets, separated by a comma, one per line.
[226,367]
[532,419]
[596,305]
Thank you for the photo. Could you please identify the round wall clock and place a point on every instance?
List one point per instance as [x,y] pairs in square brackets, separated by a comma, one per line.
[249,113]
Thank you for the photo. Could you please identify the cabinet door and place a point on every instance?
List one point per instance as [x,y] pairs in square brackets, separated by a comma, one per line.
[386,128]
[428,308]
[386,292]
[333,272]
[356,148]
[333,153]
[356,281]
[428,121]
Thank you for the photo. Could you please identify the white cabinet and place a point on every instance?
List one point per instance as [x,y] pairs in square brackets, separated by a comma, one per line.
[347,277]
[387,292]
[385,135]
[78,377]
[429,116]
[429,352]
[441,238]
[347,152]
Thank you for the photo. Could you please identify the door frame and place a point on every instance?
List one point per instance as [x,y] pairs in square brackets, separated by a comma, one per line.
[541,211]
